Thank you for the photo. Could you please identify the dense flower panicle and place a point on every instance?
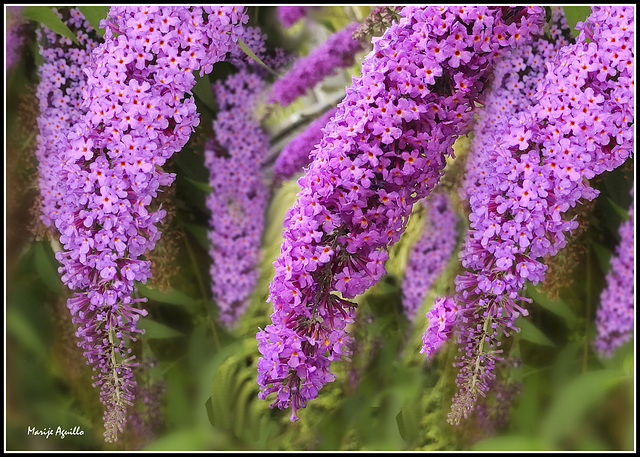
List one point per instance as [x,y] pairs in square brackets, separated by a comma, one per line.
[614,319]
[383,150]
[534,170]
[297,153]
[139,111]
[59,93]
[14,35]
[338,51]
[239,194]
[442,318]
[290,14]
[430,254]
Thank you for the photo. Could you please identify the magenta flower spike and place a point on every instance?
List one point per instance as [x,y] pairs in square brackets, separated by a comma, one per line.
[383,150]
[337,52]
[139,110]
[615,316]
[430,254]
[528,173]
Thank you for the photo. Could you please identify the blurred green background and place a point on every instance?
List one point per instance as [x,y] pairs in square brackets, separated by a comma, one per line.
[564,396]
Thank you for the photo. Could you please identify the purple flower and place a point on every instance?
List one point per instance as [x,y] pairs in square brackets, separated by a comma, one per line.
[289,14]
[442,318]
[337,52]
[533,157]
[138,111]
[239,194]
[14,35]
[349,211]
[615,317]
[430,254]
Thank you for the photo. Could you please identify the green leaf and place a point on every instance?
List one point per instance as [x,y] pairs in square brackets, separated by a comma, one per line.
[94,14]
[203,91]
[45,16]
[187,439]
[624,214]
[23,331]
[576,14]
[531,333]
[603,255]
[46,269]
[557,306]
[154,329]
[511,443]
[573,401]
[250,53]
[203,186]
[172,296]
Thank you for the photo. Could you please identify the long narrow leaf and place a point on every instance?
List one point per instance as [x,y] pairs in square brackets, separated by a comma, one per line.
[250,53]
[46,16]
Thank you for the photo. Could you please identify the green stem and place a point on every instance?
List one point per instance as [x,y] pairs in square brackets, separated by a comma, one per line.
[203,292]
[585,353]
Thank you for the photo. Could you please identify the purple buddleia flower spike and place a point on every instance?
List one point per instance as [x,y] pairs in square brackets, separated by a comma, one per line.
[537,167]
[430,254]
[239,194]
[615,317]
[383,150]
[337,52]
[139,111]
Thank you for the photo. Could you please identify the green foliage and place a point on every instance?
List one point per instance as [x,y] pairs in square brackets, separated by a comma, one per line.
[576,14]
[94,14]
[45,16]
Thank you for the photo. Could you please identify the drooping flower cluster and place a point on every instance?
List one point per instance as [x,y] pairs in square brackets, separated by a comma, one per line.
[239,194]
[59,94]
[338,51]
[139,111]
[615,317]
[442,318]
[14,35]
[539,164]
[296,154]
[290,14]
[430,254]
[383,150]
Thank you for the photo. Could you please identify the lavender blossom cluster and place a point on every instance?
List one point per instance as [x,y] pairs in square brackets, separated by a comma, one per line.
[534,170]
[296,154]
[338,51]
[430,254]
[615,316]
[139,111]
[290,14]
[239,194]
[383,150]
